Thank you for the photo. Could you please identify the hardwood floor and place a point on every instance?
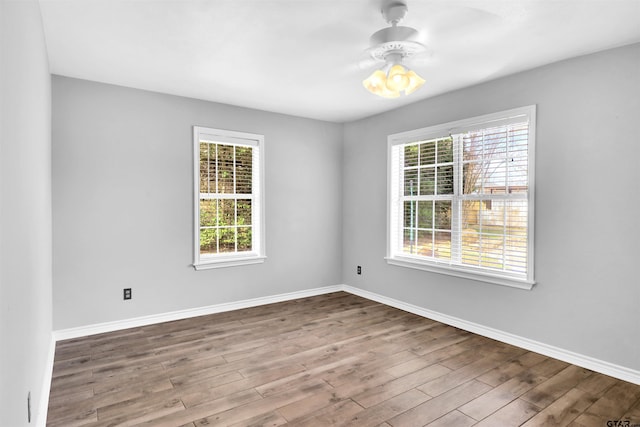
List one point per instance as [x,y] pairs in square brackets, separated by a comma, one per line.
[334,359]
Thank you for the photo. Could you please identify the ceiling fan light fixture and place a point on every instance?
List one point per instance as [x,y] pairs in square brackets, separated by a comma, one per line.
[394,45]
[392,83]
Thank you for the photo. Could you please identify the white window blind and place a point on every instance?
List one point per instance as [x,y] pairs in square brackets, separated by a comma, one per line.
[228,212]
[462,203]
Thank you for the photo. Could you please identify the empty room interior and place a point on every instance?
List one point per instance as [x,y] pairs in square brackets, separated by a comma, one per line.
[319,213]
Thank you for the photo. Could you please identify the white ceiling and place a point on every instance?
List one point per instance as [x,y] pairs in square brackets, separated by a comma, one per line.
[304,57]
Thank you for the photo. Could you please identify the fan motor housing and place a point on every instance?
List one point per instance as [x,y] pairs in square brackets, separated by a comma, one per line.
[395,39]
[394,34]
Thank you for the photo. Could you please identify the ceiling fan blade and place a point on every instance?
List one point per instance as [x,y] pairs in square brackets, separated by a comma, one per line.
[366,61]
[463,25]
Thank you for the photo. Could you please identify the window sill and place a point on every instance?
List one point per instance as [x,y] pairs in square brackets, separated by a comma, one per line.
[228,262]
[460,272]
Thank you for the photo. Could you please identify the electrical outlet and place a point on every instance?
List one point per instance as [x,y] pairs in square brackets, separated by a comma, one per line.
[29,407]
[127,293]
[359,270]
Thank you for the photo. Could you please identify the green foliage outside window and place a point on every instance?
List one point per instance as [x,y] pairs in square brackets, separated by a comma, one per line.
[225,216]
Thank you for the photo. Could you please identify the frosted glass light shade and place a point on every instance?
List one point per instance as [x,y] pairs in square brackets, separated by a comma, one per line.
[397,79]
[376,83]
[415,82]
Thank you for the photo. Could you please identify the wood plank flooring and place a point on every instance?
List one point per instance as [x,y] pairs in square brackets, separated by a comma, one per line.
[330,360]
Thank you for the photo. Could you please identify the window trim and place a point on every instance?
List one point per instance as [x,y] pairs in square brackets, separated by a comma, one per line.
[449,129]
[257,255]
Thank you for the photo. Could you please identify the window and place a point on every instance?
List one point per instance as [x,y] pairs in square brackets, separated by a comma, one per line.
[228,211]
[461,198]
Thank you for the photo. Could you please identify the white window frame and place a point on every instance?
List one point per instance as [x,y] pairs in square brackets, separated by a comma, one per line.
[394,217]
[257,254]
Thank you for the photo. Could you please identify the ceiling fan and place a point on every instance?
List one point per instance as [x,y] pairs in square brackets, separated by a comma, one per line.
[393,47]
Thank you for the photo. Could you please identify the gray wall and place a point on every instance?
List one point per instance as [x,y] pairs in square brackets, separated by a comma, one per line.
[25,211]
[122,204]
[587,200]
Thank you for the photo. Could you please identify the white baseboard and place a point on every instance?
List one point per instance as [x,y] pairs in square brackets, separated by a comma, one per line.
[64,334]
[597,365]
[43,404]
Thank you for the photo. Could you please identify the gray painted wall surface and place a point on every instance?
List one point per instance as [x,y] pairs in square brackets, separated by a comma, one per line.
[587,200]
[25,211]
[122,204]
